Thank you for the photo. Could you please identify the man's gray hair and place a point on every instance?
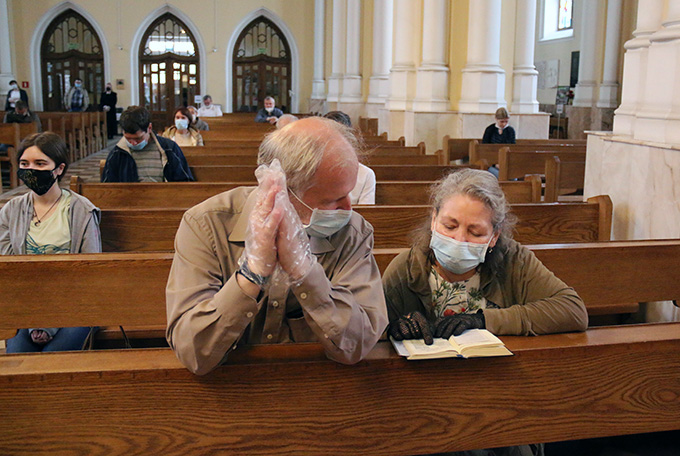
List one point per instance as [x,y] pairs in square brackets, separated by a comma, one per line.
[482,186]
[269,98]
[285,120]
[301,153]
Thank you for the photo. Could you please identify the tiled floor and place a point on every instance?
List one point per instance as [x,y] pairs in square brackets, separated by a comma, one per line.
[87,169]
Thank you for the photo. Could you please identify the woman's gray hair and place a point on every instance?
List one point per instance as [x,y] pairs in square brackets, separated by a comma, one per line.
[482,186]
[301,153]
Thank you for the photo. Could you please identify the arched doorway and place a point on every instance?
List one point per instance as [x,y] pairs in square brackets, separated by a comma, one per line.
[261,67]
[168,69]
[70,49]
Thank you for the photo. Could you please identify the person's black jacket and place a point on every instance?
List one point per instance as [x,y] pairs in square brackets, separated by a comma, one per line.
[491,135]
[121,167]
[22,94]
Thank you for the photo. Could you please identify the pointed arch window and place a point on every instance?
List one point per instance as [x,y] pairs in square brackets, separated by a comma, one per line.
[169,69]
[261,67]
[70,49]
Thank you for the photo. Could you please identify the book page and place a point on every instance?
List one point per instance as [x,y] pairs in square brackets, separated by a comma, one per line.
[475,337]
[418,347]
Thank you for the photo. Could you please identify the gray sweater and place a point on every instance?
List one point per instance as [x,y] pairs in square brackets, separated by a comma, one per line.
[16,215]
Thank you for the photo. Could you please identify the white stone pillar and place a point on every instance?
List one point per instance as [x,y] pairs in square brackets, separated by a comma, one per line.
[318,82]
[404,54]
[6,67]
[432,78]
[608,97]
[337,50]
[584,94]
[524,74]
[483,82]
[658,116]
[351,84]
[635,65]
[379,85]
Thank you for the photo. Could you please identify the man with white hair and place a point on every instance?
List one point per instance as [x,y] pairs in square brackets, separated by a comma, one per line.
[209,109]
[287,261]
[270,113]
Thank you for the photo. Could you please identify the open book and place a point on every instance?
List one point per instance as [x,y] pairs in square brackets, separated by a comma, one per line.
[471,344]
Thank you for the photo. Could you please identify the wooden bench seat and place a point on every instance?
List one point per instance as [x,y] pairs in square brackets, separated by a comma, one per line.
[12,134]
[459,148]
[242,157]
[490,152]
[130,230]
[604,382]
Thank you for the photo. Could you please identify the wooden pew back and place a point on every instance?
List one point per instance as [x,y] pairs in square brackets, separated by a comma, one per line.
[254,132]
[490,152]
[130,230]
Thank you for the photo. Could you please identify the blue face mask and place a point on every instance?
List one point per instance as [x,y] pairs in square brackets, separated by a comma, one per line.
[456,256]
[181,124]
[137,147]
[325,223]
[78,85]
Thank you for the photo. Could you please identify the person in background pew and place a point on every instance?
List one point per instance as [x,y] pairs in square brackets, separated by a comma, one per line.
[107,104]
[209,109]
[197,123]
[246,269]
[270,113]
[15,94]
[182,132]
[141,156]
[22,114]
[364,191]
[47,220]
[499,133]
[77,98]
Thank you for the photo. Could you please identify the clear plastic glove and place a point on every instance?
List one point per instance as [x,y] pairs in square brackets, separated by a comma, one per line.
[292,242]
[263,224]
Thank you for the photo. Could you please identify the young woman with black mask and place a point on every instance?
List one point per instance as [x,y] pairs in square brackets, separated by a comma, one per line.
[47,220]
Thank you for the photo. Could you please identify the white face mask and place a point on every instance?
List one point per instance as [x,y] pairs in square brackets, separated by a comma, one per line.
[269,110]
[14,86]
[456,256]
[181,124]
[325,223]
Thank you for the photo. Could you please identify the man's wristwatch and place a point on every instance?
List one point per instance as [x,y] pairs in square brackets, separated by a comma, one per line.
[257,279]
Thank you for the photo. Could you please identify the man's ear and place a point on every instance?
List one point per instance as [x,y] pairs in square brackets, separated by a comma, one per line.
[494,239]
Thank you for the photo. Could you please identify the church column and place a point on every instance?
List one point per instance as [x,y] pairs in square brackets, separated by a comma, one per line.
[658,117]
[432,78]
[403,69]
[525,76]
[6,67]
[337,50]
[483,82]
[383,11]
[318,83]
[635,65]
[584,94]
[609,86]
[351,85]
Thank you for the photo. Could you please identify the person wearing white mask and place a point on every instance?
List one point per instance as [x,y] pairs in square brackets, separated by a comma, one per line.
[208,109]
[270,113]
[15,94]
[183,132]
[287,261]
[77,99]
[464,271]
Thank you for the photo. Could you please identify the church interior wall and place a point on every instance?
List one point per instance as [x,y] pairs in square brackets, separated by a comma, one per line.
[296,14]
[458,21]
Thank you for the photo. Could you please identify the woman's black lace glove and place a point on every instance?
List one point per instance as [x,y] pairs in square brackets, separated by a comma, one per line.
[454,325]
[412,326]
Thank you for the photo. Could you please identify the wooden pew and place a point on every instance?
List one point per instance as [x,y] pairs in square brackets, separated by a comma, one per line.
[383,141]
[490,152]
[370,160]
[187,194]
[154,229]
[368,126]
[459,148]
[12,135]
[101,293]
[246,173]
[255,132]
[391,149]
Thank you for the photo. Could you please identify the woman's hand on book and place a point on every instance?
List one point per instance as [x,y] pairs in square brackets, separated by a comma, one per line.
[412,326]
[454,325]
